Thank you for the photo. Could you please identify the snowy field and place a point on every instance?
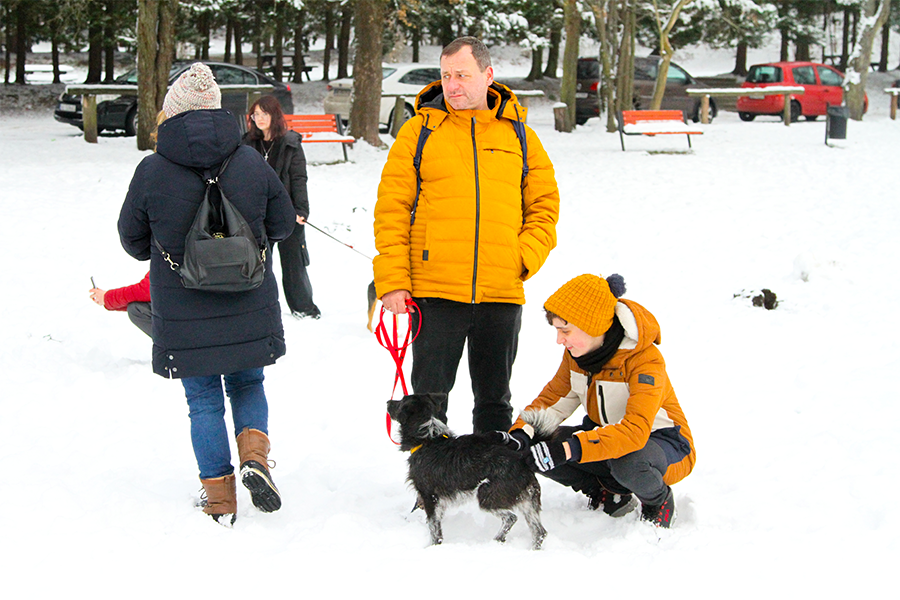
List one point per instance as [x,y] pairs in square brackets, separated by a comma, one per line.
[791,409]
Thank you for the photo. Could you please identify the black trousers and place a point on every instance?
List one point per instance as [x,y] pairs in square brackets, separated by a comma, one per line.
[294,259]
[640,472]
[140,315]
[490,333]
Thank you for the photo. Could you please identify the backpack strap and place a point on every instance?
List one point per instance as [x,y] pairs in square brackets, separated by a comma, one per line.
[519,128]
[417,163]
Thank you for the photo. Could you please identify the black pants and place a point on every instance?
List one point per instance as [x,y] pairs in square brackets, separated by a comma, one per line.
[640,472]
[490,332]
[294,259]
[139,313]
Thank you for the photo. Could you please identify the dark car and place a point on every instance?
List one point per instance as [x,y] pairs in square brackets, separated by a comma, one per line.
[645,70]
[121,113]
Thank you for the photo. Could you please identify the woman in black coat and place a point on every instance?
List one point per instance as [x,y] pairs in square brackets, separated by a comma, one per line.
[267,132]
[198,336]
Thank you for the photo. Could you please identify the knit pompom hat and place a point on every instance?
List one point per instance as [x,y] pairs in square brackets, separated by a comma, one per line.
[588,302]
[195,89]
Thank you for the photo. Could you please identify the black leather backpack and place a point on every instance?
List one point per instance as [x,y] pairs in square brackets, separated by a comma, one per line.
[221,254]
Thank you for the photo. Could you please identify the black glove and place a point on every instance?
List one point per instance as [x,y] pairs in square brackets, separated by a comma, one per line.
[512,441]
[546,456]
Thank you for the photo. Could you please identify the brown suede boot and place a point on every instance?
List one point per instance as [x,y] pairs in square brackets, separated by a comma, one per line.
[221,499]
[253,449]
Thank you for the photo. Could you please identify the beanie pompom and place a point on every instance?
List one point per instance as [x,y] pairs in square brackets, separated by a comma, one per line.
[616,285]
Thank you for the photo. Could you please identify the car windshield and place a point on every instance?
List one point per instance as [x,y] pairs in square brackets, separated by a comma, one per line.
[764,74]
[588,69]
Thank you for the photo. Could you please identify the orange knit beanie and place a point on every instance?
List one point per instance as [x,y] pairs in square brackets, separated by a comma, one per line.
[588,302]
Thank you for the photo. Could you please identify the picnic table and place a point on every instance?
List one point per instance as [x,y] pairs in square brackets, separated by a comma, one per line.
[268,66]
[89,93]
[758,92]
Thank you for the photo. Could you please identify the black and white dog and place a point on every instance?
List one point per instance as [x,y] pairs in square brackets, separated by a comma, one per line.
[444,468]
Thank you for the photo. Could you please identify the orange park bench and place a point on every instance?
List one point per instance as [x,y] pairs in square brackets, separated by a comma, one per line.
[655,122]
[316,129]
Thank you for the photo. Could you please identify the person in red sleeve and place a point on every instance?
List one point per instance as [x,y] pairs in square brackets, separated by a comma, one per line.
[132,298]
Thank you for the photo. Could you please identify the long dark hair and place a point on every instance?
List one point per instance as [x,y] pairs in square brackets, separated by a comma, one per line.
[270,106]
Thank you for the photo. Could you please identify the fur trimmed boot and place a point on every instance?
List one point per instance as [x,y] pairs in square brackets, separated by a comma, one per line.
[253,449]
[221,499]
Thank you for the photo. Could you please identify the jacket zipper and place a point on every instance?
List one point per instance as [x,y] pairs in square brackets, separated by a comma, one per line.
[601,400]
[477,211]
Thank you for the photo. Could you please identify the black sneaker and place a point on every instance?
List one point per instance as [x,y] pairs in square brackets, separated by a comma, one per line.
[615,505]
[263,492]
[662,515]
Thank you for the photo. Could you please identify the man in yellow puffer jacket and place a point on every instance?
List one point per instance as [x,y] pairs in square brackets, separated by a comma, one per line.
[463,238]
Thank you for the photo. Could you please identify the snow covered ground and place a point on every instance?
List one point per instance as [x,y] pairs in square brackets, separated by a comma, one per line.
[792,409]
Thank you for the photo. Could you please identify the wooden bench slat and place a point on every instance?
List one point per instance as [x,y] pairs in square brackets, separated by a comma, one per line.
[319,129]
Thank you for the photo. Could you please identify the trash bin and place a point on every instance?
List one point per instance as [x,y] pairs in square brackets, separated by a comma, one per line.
[836,126]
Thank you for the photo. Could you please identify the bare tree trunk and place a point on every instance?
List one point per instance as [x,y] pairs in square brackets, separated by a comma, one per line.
[416,42]
[278,70]
[7,54]
[666,52]
[229,31]
[238,42]
[845,40]
[366,100]
[344,41]
[625,68]
[147,28]
[876,13]
[885,47]
[537,61]
[54,54]
[21,41]
[329,41]
[740,59]
[109,45]
[165,36]
[553,52]
[299,63]
[572,21]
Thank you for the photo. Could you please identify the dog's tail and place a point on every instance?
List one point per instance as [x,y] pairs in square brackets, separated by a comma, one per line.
[372,298]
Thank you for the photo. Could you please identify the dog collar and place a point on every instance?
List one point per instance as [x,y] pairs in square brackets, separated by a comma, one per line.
[413,450]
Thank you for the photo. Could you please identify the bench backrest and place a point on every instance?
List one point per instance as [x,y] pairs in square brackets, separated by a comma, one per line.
[311,123]
[631,117]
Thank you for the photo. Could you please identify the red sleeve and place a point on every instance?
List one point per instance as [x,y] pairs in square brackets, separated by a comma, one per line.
[120,298]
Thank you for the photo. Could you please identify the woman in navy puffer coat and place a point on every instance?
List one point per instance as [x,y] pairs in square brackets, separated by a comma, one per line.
[201,336]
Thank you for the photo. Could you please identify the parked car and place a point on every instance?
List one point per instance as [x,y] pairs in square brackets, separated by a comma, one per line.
[822,86]
[645,69]
[121,113]
[405,79]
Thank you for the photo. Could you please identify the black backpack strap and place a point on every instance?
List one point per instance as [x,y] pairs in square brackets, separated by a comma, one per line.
[417,163]
[519,127]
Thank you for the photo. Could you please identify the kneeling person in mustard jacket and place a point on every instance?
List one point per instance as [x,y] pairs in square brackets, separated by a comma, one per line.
[635,440]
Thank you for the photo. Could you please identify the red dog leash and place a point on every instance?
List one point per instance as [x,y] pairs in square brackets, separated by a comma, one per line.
[397,350]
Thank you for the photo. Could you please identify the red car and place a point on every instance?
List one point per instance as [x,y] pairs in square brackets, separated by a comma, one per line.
[822,85]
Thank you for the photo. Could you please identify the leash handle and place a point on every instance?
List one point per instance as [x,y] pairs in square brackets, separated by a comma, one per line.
[397,350]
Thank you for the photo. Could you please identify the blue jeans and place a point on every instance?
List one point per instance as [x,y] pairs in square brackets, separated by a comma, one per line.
[209,434]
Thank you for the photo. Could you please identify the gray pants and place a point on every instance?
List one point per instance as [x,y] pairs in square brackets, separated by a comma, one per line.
[640,472]
[139,313]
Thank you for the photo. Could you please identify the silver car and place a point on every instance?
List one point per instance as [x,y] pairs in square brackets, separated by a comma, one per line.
[405,80]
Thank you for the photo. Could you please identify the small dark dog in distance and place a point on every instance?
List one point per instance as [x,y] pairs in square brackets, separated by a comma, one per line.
[445,469]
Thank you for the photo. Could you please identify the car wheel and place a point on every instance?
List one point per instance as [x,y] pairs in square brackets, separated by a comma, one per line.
[796,111]
[712,112]
[745,116]
[581,120]
[131,124]
[408,114]
[811,117]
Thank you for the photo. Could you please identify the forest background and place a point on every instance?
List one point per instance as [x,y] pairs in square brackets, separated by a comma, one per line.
[360,34]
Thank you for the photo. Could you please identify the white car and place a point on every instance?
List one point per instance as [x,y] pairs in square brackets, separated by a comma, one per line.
[405,79]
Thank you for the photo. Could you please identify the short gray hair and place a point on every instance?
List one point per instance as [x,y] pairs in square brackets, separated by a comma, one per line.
[479,50]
